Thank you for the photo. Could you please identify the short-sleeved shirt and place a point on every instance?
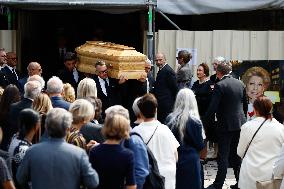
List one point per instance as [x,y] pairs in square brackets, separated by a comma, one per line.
[76,138]
[17,151]
[114,164]
[4,172]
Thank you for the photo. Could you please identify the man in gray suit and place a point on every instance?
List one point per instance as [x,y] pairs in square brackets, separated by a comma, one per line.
[55,163]
[184,72]
[228,102]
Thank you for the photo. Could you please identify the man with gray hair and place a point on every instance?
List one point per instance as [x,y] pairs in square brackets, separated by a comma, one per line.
[32,90]
[229,104]
[54,89]
[215,62]
[136,145]
[34,68]
[64,165]
[3,61]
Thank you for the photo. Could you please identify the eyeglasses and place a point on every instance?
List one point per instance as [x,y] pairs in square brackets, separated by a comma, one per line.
[13,58]
[103,72]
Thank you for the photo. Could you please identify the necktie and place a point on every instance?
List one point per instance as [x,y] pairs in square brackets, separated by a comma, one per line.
[14,71]
[106,85]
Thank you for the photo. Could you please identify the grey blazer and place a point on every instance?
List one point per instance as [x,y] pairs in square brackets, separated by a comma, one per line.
[184,76]
[56,164]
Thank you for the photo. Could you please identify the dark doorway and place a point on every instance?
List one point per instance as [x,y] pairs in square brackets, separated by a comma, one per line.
[41,31]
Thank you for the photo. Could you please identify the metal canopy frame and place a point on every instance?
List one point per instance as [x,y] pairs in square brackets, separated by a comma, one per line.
[108,6]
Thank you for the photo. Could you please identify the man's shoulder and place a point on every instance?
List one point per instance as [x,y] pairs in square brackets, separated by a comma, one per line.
[45,146]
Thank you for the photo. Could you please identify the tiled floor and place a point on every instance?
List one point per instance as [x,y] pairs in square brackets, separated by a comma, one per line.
[210,170]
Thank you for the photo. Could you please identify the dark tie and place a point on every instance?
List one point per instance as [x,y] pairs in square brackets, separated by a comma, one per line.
[106,85]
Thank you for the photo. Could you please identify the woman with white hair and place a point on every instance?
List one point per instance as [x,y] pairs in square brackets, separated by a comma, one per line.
[87,88]
[186,125]
[83,112]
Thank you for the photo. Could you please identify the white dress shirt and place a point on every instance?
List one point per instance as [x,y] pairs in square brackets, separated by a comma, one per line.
[102,84]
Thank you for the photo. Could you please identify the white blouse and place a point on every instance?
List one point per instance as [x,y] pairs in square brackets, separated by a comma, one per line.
[258,163]
[164,147]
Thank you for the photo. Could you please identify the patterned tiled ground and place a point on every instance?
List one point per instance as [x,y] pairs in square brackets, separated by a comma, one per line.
[210,170]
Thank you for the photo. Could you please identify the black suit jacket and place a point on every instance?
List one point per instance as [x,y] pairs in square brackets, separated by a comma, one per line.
[67,77]
[151,81]
[113,97]
[165,90]
[229,103]
[10,76]
[3,80]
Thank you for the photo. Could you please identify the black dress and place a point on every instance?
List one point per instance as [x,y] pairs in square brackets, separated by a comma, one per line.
[203,93]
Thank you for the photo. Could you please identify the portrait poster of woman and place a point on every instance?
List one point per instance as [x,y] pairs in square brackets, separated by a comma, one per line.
[264,78]
[257,81]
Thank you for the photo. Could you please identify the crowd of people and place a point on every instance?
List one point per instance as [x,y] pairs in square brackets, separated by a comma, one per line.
[92,131]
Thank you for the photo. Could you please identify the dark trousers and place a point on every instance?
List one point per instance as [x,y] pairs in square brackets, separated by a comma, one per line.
[227,146]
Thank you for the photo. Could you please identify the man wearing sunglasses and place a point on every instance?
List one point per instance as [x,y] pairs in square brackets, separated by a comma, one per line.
[107,87]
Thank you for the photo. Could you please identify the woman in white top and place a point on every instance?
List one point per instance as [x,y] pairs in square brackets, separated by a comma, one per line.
[160,139]
[258,162]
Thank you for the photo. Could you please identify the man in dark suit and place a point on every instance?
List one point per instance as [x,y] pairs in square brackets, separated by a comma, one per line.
[32,90]
[12,75]
[228,102]
[165,87]
[149,83]
[3,61]
[108,88]
[70,74]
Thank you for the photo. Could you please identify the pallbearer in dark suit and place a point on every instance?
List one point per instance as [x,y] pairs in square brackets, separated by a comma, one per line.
[228,102]
[70,74]
[107,87]
[149,83]
[165,87]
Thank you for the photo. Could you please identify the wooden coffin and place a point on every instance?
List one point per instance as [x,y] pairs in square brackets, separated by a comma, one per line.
[120,59]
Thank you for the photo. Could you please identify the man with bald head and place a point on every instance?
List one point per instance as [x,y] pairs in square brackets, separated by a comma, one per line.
[34,68]
[165,87]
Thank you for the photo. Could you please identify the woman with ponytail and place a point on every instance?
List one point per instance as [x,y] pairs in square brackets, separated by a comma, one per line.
[260,143]
[29,123]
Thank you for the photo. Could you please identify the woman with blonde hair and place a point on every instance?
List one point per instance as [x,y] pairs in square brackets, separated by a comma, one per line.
[68,93]
[83,112]
[116,128]
[42,104]
[257,80]
[87,88]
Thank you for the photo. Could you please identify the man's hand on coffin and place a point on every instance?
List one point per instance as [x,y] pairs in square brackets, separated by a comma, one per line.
[122,79]
[143,77]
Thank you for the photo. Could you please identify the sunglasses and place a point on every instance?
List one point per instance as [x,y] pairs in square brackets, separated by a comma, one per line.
[178,58]
[103,72]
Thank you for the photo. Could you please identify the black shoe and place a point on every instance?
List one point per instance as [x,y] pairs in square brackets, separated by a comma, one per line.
[234,186]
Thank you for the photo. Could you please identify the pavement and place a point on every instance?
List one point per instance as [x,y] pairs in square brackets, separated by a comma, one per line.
[210,171]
